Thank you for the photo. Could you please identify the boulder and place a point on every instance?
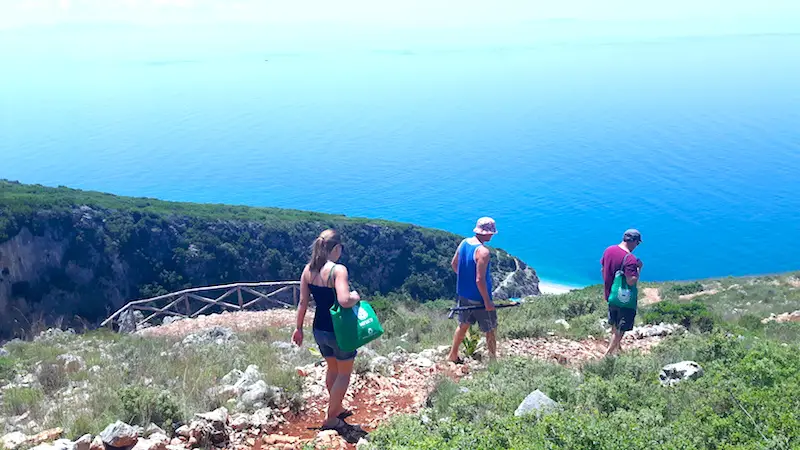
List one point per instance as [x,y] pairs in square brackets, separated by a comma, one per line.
[250,377]
[3,353]
[673,374]
[263,418]
[157,441]
[63,444]
[381,365]
[398,356]
[46,436]
[212,336]
[83,443]
[232,377]
[423,362]
[428,354]
[563,323]
[255,394]
[536,402]
[97,444]
[71,363]
[119,434]
[153,429]
[13,440]
[171,319]
[240,422]
[211,427]
[127,322]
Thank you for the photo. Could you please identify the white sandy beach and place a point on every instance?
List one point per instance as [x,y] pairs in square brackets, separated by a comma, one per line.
[547,287]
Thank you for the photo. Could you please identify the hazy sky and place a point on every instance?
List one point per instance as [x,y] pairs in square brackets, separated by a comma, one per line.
[414,13]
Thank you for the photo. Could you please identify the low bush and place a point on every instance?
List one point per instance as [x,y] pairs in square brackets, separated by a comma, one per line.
[692,315]
[687,288]
[144,405]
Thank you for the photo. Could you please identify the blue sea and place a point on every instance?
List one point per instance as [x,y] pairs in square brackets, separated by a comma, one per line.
[566,132]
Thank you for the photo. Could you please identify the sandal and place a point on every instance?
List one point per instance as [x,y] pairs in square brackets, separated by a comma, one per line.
[345,414]
[457,361]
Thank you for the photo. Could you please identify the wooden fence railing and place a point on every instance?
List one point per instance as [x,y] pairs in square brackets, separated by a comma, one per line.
[190,303]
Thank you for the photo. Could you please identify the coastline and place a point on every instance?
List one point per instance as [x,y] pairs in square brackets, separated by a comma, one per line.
[550,287]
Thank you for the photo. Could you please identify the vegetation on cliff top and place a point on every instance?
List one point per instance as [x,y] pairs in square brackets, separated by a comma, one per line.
[103,250]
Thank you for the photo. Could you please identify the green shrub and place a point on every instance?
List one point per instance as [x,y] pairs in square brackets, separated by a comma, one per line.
[750,322]
[692,315]
[52,377]
[471,341]
[7,368]
[687,288]
[145,405]
[18,401]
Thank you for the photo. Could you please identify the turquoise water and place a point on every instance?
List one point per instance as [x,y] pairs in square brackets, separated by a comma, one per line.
[692,138]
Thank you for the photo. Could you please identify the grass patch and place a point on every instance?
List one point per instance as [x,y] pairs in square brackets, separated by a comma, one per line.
[620,395]
[17,401]
[692,315]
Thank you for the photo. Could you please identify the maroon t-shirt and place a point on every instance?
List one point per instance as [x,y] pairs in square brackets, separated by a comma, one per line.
[612,261]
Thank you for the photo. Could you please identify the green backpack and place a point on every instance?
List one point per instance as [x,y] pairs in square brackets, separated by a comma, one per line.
[354,327]
[622,295]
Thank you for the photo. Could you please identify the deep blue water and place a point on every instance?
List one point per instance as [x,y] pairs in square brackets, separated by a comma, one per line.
[695,140]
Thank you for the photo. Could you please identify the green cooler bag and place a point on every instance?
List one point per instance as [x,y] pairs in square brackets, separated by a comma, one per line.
[622,295]
[355,327]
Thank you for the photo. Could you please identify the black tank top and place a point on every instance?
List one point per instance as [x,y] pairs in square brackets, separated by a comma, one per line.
[324,297]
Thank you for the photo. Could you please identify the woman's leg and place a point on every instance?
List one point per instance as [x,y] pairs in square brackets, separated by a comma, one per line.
[332,373]
[339,389]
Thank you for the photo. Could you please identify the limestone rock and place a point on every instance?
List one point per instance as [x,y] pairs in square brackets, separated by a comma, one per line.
[119,434]
[212,336]
[83,443]
[153,429]
[563,323]
[381,365]
[423,362]
[46,436]
[13,440]
[3,352]
[673,374]
[97,444]
[71,363]
[536,402]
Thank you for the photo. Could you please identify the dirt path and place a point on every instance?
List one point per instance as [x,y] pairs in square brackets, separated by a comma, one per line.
[375,398]
[651,296]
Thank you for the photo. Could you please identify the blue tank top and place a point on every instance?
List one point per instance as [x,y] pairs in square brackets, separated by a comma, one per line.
[467,271]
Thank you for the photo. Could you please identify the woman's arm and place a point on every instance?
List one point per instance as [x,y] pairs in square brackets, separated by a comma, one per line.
[341,282]
[305,297]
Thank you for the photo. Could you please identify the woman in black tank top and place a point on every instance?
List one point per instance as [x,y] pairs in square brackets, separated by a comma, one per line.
[328,282]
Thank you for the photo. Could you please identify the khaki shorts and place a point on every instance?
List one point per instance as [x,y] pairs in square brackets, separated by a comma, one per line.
[486,320]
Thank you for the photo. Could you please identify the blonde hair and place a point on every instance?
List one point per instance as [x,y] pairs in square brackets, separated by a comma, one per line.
[322,248]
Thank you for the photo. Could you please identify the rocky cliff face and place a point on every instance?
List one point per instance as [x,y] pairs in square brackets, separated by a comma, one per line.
[81,263]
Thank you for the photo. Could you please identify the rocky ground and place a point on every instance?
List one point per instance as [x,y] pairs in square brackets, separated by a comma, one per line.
[384,386]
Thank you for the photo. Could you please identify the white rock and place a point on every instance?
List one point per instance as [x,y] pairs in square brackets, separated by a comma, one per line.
[428,354]
[250,377]
[13,440]
[381,365]
[83,443]
[119,434]
[536,402]
[563,323]
[3,353]
[673,374]
[63,444]
[423,362]
[232,377]
[153,429]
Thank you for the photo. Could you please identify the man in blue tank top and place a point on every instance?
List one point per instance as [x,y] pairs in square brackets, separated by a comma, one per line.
[472,266]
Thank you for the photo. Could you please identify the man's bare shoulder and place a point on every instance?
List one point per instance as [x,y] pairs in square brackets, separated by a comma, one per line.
[482,252]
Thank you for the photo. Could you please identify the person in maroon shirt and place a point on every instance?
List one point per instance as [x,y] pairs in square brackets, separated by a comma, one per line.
[621,319]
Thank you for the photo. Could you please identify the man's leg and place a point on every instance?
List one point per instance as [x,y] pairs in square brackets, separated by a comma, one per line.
[616,339]
[458,337]
[491,344]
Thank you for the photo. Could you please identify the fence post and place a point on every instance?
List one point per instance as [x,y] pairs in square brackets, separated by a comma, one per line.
[186,304]
[239,294]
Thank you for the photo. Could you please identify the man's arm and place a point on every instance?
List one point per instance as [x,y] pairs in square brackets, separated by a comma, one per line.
[482,257]
[454,262]
[631,271]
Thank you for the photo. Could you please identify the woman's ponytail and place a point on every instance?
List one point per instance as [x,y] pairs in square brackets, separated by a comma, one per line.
[321,249]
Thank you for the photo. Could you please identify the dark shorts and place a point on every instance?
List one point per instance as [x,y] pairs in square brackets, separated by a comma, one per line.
[326,341]
[621,318]
[486,320]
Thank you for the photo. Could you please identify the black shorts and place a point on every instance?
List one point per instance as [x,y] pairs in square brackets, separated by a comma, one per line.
[621,318]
